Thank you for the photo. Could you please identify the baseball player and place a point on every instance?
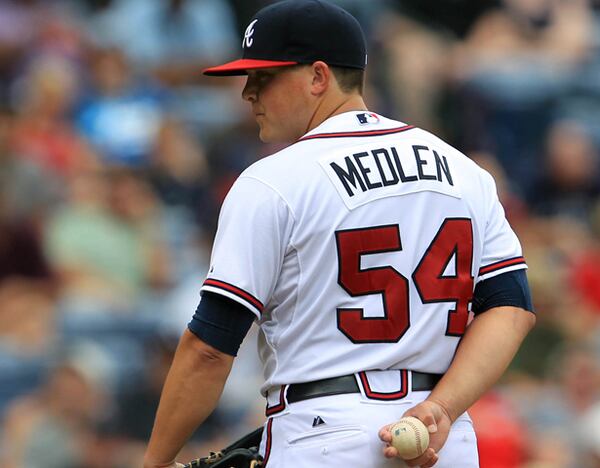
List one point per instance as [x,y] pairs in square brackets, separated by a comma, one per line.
[360,251]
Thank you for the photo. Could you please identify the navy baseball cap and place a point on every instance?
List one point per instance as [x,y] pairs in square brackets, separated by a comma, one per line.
[293,32]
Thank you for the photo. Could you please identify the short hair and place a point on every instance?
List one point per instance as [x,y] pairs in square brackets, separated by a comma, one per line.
[349,79]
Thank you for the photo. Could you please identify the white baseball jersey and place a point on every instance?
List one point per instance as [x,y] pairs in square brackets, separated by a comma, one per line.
[358,247]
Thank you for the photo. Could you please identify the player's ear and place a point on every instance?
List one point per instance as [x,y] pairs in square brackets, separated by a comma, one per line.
[321,78]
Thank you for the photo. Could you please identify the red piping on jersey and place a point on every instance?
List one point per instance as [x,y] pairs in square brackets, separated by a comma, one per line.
[501,264]
[268,442]
[385,396]
[364,133]
[279,406]
[237,291]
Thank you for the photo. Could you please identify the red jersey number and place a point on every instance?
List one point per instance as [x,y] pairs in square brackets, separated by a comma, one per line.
[393,287]
[452,243]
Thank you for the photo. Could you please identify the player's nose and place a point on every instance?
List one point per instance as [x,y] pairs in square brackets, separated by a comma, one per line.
[249,93]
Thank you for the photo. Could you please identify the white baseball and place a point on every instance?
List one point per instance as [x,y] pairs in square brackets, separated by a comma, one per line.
[410,437]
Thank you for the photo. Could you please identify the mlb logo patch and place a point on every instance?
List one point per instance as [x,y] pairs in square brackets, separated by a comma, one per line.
[367,118]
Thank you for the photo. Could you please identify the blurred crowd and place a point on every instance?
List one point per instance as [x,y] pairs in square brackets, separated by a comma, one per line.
[116,153]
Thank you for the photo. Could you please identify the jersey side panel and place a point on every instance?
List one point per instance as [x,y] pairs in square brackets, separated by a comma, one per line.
[502,250]
[252,236]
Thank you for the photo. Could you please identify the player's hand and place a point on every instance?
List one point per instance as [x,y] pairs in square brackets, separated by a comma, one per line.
[437,421]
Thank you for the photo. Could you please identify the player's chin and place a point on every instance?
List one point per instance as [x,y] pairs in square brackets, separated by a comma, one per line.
[264,133]
[267,135]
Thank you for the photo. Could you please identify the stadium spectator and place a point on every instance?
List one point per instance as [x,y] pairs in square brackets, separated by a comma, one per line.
[179,171]
[120,114]
[42,131]
[171,39]
[58,423]
[105,244]
[568,184]
[513,66]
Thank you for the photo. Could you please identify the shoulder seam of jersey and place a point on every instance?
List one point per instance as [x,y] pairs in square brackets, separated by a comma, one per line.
[297,297]
[279,194]
[360,133]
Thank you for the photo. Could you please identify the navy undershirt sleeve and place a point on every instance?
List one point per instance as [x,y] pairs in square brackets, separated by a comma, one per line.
[221,322]
[507,289]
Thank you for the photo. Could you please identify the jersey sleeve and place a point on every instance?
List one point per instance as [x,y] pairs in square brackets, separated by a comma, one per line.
[501,248]
[252,237]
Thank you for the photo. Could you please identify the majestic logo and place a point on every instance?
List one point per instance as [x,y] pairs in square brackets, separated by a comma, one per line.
[367,118]
[318,421]
[248,39]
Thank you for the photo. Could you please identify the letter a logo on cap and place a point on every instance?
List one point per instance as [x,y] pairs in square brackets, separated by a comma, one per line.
[248,40]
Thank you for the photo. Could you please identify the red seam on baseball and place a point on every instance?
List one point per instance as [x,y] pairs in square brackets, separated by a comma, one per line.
[416,429]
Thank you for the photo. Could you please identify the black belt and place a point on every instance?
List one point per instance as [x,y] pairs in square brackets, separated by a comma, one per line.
[347,384]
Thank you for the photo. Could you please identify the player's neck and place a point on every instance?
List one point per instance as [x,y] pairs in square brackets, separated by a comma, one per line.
[327,108]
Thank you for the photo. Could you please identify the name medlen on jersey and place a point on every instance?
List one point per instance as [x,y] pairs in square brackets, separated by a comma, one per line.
[381,167]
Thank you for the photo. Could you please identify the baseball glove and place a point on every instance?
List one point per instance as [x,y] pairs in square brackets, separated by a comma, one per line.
[243,453]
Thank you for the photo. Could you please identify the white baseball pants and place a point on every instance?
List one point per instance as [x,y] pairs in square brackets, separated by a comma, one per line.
[341,431]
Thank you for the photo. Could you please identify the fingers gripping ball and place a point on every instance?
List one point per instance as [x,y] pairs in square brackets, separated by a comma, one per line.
[410,437]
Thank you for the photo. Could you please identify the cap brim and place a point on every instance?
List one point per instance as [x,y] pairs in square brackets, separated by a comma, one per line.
[241,67]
